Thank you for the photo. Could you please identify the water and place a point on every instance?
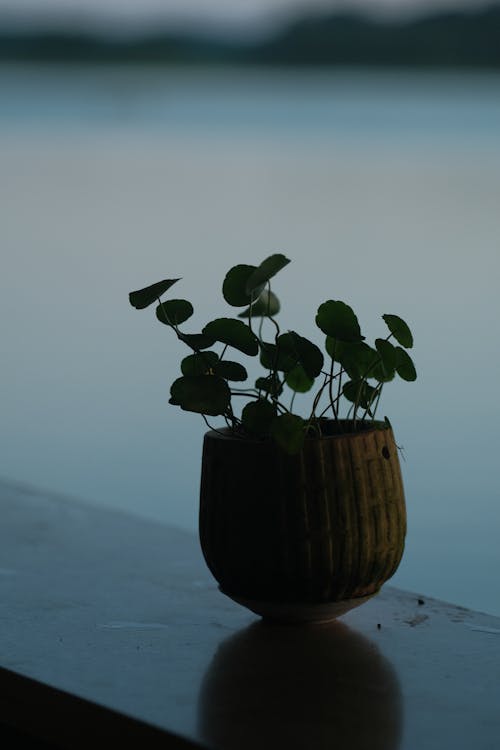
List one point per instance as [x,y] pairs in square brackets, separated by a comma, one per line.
[382,189]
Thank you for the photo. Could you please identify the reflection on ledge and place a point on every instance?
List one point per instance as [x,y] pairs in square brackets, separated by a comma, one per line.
[300,687]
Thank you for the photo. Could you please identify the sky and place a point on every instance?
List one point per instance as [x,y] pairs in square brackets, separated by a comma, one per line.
[231,13]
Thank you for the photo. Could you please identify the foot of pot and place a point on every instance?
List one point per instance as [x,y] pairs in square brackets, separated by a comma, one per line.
[297,612]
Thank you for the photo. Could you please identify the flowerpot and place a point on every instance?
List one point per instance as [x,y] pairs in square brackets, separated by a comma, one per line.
[304,537]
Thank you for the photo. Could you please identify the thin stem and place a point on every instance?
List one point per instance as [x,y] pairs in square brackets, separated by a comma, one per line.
[261,324]
[378,399]
[318,398]
[339,388]
[330,387]
[210,426]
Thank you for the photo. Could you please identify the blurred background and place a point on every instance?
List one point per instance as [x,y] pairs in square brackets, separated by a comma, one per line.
[162,139]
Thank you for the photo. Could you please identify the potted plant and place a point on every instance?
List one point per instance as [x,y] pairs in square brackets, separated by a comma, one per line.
[302,517]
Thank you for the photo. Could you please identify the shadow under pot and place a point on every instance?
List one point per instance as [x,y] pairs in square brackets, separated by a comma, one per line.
[307,537]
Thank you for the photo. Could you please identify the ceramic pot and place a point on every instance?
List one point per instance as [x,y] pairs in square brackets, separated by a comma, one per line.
[304,537]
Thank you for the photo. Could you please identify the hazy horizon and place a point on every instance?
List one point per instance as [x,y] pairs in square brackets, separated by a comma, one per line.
[257,15]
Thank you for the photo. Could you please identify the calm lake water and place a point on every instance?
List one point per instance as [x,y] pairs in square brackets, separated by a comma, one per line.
[382,188]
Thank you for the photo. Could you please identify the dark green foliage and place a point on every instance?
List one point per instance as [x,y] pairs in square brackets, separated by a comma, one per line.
[404,365]
[233,333]
[174,312]
[359,392]
[230,370]
[267,269]
[298,380]
[204,394]
[234,288]
[302,351]
[358,360]
[144,297]
[289,431]
[273,357]
[257,416]
[271,385]
[399,330]
[338,320]
[266,304]
[196,341]
[202,363]
[354,371]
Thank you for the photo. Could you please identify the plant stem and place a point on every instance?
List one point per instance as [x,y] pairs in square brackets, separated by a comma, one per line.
[214,429]
[330,386]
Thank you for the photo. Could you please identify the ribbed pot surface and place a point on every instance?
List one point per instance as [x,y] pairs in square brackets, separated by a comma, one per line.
[323,526]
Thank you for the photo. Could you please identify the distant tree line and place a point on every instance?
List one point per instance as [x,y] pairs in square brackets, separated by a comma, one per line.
[458,39]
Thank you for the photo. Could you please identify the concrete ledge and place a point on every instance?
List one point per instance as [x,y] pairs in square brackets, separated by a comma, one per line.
[112,624]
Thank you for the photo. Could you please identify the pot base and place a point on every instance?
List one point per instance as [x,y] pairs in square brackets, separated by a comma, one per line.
[297,612]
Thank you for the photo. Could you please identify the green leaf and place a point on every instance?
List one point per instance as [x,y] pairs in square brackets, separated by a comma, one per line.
[257,416]
[388,353]
[399,330]
[199,364]
[173,312]
[334,347]
[274,358]
[337,319]
[197,341]
[203,394]
[230,370]
[360,392]
[303,351]
[235,283]
[144,297]
[358,359]
[267,305]
[298,380]
[288,431]
[382,373]
[404,365]
[267,269]
[271,384]
[233,333]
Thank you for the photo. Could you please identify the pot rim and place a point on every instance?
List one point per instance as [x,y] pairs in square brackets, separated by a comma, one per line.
[369,426]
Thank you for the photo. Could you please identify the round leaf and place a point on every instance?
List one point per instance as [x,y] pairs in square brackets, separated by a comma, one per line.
[399,330]
[267,269]
[199,364]
[358,359]
[234,333]
[404,365]
[197,341]
[230,370]
[271,384]
[359,392]
[382,373]
[267,305]
[334,347]
[276,358]
[235,283]
[288,431]
[173,312]
[303,351]
[257,416]
[337,319]
[388,353]
[144,297]
[298,380]
[203,394]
